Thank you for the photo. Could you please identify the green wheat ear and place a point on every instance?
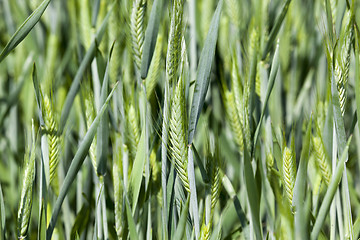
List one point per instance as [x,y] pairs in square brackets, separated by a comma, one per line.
[118,190]
[90,116]
[233,119]
[53,140]
[24,211]
[342,61]
[321,161]
[137,29]
[173,55]
[132,130]
[288,173]
[177,134]
[233,11]
[205,231]
[213,168]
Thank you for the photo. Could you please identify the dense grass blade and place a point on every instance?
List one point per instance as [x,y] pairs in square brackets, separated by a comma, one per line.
[330,193]
[137,171]
[131,222]
[2,215]
[75,86]
[203,72]
[24,29]
[180,229]
[252,194]
[81,221]
[13,97]
[301,226]
[75,165]
[275,30]
[103,129]
[231,192]
[200,164]
[151,36]
[273,73]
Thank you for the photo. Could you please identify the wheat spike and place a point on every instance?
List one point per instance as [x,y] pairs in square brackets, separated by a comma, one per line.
[173,55]
[177,134]
[246,119]
[233,119]
[90,112]
[237,89]
[53,138]
[333,11]
[342,62]
[213,168]
[118,191]
[289,173]
[137,29]
[205,231]
[233,11]
[24,211]
[321,160]
[133,130]
[269,161]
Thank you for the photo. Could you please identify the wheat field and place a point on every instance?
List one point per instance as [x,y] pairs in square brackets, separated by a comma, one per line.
[179,119]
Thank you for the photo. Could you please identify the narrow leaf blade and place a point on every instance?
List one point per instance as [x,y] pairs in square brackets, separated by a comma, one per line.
[24,29]
[151,36]
[137,171]
[203,73]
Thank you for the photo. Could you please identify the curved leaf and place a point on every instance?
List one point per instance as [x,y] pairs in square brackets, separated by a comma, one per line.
[151,36]
[203,72]
[24,29]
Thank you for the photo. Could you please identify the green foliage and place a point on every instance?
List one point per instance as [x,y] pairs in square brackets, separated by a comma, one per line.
[198,119]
